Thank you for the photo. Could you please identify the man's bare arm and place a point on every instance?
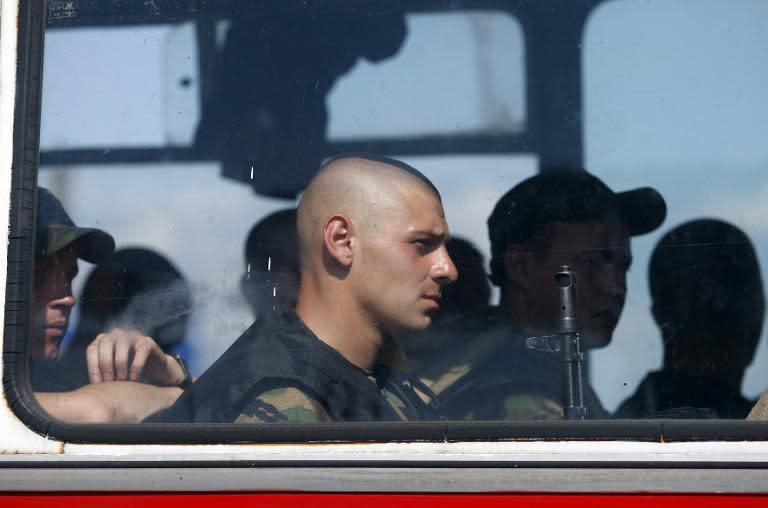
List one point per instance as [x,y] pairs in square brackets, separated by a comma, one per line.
[110,402]
[760,409]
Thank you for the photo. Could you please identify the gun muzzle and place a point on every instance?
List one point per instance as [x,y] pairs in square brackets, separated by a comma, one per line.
[567,313]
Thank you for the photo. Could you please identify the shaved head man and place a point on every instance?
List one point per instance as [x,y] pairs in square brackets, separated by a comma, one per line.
[372,236]
[372,240]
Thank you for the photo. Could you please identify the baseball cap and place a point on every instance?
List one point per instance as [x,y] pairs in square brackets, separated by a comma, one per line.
[55,231]
[566,196]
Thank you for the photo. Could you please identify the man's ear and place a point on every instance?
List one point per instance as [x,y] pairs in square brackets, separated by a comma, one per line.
[337,236]
[519,264]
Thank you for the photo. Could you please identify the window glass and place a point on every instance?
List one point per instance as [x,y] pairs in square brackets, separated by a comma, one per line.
[455,72]
[450,260]
[149,95]
[162,150]
[674,98]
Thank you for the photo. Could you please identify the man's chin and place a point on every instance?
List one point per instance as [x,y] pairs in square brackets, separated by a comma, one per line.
[51,350]
[598,331]
[416,326]
[595,340]
[424,323]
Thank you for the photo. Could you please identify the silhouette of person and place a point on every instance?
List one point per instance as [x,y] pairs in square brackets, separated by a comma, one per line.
[267,117]
[272,274]
[708,302]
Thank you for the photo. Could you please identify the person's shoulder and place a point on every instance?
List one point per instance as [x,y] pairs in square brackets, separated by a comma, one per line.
[270,333]
[288,404]
[531,407]
[635,406]
[262,351]
[460,344]
[494,396]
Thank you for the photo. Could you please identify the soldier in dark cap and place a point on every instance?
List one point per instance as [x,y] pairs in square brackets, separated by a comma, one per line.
[137,289]
[59,244]
[482,368]
[123,356]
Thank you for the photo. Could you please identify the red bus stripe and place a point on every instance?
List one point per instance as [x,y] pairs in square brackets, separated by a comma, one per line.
[267,500]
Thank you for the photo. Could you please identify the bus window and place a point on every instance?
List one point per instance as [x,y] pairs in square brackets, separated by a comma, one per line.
[253,222]
[472,61]
[151,98]
[688,114]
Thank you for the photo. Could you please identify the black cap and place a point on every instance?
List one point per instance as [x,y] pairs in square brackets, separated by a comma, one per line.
[55,231]
[566,196]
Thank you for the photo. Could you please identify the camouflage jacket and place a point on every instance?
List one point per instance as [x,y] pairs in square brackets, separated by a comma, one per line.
[279,371]
[480,369]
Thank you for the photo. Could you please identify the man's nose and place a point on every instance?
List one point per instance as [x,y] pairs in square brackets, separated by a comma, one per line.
[444,271]
[65,300]
[616,282]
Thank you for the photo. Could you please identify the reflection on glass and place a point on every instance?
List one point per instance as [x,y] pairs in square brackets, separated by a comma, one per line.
[414,288]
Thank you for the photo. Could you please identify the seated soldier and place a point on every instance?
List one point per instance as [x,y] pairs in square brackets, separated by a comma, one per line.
[137,289]
[372,236]
[708,302]
[122,354]
[271,279]
[480,366]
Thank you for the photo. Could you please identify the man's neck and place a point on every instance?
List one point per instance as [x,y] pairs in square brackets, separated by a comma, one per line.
[523,321]
[337,324]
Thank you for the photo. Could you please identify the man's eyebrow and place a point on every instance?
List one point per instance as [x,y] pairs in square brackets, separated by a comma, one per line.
[623,252]
[430,233]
